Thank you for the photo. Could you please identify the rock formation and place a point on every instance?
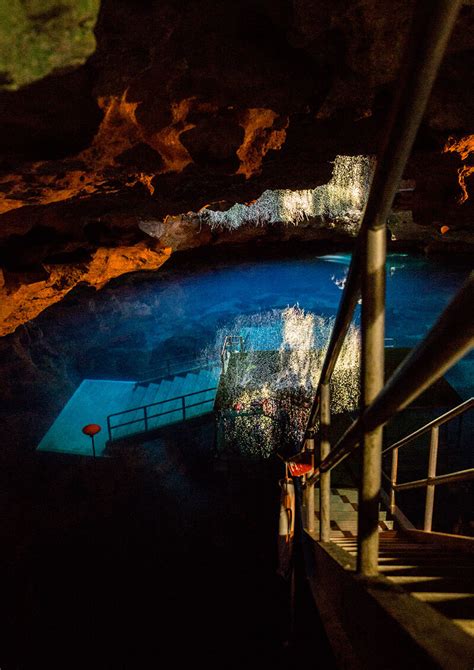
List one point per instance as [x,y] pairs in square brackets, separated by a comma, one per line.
[132,111]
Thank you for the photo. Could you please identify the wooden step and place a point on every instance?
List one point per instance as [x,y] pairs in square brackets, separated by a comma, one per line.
[439,575]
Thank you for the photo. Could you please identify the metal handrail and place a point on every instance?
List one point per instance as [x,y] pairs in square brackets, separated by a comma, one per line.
[150,380]
[421,368]
[147,416]
[459,476]
[432,479]
[424,52]
[230,340]
[447,416]
[349,298]
[161,402]
[444,345]
[431,29]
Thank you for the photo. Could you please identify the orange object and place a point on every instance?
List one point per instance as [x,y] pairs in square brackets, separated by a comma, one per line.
[91,429]
[299,469]
[444,229]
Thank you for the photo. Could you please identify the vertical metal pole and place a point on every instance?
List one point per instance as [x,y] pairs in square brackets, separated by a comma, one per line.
[183,406]
[109,429]
[430,35]
[145,416]
[93,446]
[430,489]
[373,342]
[325,480]
[309,492]
[393,479]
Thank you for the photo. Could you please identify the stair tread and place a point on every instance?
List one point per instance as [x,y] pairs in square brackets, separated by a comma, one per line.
[436,575]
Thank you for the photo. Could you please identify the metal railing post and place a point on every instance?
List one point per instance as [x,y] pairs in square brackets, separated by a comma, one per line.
[145,416]
[109,429]
[393,480]
[309,492]
[325,481]
[183,407]
[431,30]
[430,489]
[373,357]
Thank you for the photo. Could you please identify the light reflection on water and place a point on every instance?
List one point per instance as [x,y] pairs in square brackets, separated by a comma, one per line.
[128,328]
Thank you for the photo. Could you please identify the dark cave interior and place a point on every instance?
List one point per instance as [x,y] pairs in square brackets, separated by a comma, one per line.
[125,127]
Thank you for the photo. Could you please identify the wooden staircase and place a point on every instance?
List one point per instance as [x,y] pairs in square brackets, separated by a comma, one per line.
[420,605]
[435,573]
[344,514]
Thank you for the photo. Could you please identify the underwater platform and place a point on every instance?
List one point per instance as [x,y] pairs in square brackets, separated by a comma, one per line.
[95,399]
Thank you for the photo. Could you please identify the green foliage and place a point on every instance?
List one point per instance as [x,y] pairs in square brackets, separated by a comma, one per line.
[38,37]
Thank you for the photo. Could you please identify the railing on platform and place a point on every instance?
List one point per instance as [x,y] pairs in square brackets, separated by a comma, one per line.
[147,416]
[449,339]
[432,478]
[231,344]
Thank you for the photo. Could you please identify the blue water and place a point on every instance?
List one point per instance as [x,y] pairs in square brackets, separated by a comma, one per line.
[128,329]
[180,309]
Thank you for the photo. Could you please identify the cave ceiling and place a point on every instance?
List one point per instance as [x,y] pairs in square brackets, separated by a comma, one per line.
[120,111]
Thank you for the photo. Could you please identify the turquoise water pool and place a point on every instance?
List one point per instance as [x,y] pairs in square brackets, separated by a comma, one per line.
[129,329]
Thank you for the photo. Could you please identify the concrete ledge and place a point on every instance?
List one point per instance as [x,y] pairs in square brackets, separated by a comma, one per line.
[373,623]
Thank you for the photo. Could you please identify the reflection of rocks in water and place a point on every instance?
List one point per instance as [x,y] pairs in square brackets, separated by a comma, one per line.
[257,426]
[112,363]
[285,350]
[268,389]
[182,347]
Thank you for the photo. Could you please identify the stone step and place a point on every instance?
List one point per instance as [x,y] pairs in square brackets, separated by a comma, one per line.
[135,401]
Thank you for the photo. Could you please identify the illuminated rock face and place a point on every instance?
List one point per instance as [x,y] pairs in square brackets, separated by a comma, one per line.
[465,148]
[117,117]
[337,204]
[24,300]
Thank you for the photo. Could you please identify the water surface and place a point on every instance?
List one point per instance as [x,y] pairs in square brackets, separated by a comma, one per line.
[128,329]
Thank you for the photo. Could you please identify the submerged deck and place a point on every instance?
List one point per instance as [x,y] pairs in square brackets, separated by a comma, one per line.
[94,400]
